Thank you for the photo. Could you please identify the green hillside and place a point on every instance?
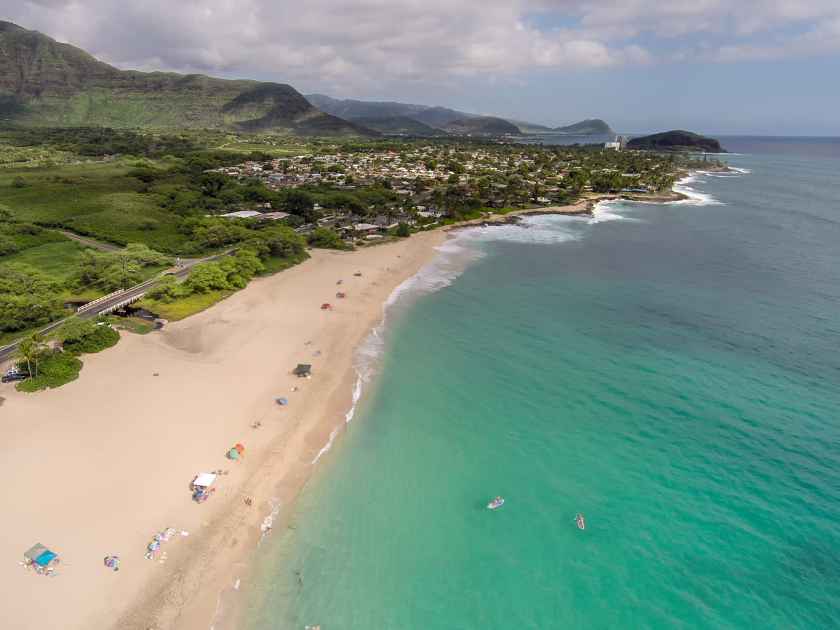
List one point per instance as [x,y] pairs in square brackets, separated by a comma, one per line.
[483,126]
[588,127]
[399,125]
[47,83]
[676,140]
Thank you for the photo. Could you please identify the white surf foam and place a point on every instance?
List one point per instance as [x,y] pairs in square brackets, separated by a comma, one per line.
[541,229]
[453,257]
[606,211]
[694,197]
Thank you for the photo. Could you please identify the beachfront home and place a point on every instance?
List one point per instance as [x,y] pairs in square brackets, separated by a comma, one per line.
[365,228]
[242,214]
[273,216]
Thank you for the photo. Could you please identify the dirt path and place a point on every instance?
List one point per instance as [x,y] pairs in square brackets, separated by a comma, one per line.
[84,240]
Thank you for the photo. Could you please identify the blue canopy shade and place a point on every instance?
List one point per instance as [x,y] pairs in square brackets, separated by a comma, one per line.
[45,558]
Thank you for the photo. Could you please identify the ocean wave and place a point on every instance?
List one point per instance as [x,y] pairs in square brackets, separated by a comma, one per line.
[604,211]
[453,257]
[326,447]
[733,172]
[694,197]
[542,229]
[462,249]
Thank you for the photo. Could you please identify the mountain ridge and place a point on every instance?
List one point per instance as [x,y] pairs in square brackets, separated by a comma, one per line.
[441,117]
[48,83]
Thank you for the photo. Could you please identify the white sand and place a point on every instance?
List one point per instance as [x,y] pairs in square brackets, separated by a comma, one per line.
[98,466]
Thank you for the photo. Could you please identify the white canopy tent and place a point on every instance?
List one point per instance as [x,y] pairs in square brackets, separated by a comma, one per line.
[204,480]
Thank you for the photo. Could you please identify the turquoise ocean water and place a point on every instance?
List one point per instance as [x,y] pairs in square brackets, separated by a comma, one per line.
[671,371]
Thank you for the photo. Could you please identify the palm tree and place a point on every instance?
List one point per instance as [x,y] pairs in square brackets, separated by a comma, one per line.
[30,350]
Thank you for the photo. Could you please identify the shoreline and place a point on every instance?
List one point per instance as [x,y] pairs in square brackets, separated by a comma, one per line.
[202,589]
[214,589]
[230,609]
[154,411]
[582,207]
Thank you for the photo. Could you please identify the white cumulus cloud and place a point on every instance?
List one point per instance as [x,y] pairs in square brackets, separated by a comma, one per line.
[371,45]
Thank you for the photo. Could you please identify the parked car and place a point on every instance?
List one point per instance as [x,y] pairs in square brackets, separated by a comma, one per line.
[13,375]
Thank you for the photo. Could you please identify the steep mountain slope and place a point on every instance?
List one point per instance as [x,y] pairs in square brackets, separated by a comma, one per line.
[351,109]
[443,117]
[47,83]
[676,140]
[440,117]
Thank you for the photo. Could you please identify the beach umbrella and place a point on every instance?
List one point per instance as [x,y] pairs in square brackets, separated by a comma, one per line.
[233,454]
[282,401]
[239,447]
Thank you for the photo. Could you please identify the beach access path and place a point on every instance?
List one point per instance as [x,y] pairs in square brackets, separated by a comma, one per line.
[100,465]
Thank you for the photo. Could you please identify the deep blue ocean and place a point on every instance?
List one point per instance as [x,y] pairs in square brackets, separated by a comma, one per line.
[671,371]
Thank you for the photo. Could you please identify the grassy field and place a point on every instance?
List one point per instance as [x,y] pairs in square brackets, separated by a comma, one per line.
[98,199]
[136,325]
[184,307]
[14,157]
[57,259]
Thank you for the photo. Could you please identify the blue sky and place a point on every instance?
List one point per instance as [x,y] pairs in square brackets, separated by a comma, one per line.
[715,66]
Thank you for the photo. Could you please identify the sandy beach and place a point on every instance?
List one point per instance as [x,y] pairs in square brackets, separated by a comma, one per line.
[104,463]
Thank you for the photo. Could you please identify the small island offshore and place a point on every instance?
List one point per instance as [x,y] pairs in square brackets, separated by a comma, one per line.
[187,268]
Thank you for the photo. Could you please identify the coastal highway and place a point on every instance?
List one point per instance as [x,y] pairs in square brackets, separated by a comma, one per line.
[180,271]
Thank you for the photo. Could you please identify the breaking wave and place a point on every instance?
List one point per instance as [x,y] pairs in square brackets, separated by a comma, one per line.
[694,196]
[465,247]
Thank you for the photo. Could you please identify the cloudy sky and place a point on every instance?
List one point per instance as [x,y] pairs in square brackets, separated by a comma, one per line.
[717,66]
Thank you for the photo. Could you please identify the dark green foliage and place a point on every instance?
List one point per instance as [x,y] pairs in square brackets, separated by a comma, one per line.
[275,247]
[298,202]
[98,141]
[8,245]
[282,242]
[109,271]
[54,369]
[229,273]
[86,337]
[28,298]
[326,239]
[403,230]
[676,140]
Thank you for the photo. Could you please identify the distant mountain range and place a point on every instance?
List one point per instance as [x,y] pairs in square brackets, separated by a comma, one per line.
[444,119]
[46,83]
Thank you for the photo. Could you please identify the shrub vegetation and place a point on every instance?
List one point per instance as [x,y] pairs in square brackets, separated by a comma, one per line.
[80,336]
[55,368]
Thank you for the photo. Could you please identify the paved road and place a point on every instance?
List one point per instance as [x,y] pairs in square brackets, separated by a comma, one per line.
[6,352]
